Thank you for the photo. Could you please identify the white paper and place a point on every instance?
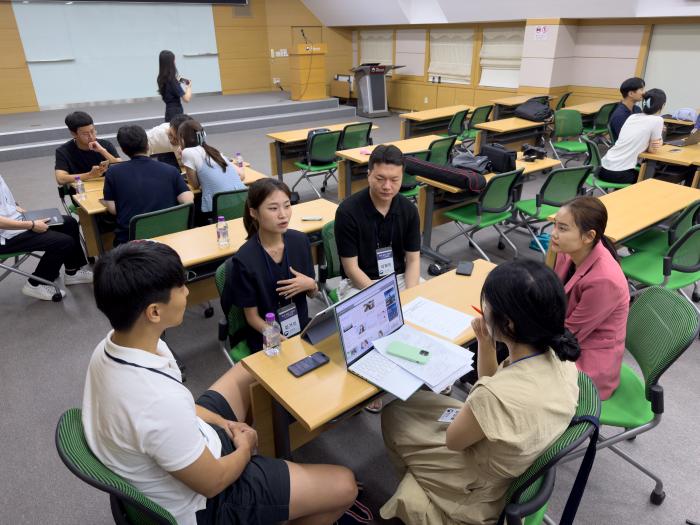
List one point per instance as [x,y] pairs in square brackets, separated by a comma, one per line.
[446,359]
[436,317]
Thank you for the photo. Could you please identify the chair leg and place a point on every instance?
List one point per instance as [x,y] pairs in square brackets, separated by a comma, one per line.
[658,494]
[548,521]
[554,150]
[500,233]
[680,290]
[14,269]
[462,232]
[478,248]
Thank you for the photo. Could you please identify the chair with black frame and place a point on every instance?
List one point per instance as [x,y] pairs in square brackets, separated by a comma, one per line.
[320,159]
[594,161]
[493,206]
[457,123]
[19,258]
[561,103]
[356,136]
[129,506]
[600,123]
[232,341]
[528,494]
[478,116]
[229,204]
[330,268]
[64,194]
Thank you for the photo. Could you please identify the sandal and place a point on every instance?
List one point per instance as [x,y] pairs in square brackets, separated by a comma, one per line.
[375,407]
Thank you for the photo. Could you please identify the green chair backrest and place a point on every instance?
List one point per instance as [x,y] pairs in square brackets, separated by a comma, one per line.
[479,116]
[234,316]
[330,250]
[661,325]
[456,126]
[526,486]
[611,136]
[409,180]
[77,456]
[603,115]
[562,185]
[686,220]
[323,147]
[355,136]
[161,222]
[497,196]
[561,103]
[593,153]
[439,150]
[684,254]
[567,123]
[230,204]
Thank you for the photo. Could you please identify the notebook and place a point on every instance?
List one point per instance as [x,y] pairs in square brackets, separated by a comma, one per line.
[56,219]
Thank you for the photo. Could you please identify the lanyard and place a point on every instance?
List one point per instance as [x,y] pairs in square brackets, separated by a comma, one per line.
[528,357]
[271,274]
[122,362]
[377,236]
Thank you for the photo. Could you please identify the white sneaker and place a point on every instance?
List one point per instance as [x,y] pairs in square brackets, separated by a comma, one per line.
[41,291]
[80,277]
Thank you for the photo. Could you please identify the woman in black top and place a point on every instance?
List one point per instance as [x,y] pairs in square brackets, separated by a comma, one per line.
[169,85]
[273,272]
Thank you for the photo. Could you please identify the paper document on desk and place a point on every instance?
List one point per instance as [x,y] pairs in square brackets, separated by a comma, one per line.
[446,359]
[436,317]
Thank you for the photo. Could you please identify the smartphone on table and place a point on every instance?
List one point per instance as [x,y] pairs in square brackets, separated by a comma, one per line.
[309,363]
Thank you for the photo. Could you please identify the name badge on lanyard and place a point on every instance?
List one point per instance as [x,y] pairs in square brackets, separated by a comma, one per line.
[385,261]
[289,320]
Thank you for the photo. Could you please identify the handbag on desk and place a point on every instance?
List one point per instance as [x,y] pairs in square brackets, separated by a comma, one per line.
[502,160]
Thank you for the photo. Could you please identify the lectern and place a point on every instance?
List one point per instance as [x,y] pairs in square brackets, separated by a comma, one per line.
[370,86]
[308,71]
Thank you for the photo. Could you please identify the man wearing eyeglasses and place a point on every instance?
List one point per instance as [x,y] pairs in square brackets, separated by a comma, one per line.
[85,155]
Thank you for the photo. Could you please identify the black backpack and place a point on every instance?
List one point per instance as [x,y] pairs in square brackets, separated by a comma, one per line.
[535,111]
[502,160]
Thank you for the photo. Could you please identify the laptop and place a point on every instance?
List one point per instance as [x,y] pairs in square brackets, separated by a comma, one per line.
[373,313]
[320,327]
[693,138]
[54,216]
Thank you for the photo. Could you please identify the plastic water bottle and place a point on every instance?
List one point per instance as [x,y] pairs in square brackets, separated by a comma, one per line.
[239,160]
[79,189]
[271,336]
[222,232]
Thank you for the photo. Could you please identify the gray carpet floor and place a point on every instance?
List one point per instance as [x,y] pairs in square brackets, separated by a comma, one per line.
[46,347]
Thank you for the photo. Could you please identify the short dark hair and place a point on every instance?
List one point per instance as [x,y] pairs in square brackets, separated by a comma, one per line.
[132,140]
[653,101]
[77,119]
[133,275]
[385,154]
[179,119]
[631,84]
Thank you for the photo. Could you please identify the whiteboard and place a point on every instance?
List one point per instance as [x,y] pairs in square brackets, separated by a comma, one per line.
[672,65]
[45,38]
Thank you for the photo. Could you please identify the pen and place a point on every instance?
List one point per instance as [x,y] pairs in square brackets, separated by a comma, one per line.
[478,310]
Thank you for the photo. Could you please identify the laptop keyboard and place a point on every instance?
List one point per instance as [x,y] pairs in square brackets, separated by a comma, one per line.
[373,365]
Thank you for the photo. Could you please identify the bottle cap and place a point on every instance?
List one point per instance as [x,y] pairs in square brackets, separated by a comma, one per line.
[269,317]
[221,218]
[77,178]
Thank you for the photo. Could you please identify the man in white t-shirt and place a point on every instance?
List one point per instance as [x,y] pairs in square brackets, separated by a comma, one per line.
[195,459]
[163,144]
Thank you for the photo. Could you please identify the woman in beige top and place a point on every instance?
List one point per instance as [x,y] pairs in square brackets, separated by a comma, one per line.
[459,472]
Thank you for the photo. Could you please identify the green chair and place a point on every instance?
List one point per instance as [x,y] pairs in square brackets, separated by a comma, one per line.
[561,186]
[456,125]
[320,159]
[330,268]
[129,506]
[232,341]
[677,268]
[600,122]
[594,161]
[161,222]
[229,204]
[528,494]
[14,267]
[612,139]
[356,136]
[660,327]
[561,103]
[64,194]
[478,116]
[659,241]
[493,206]
[567,124]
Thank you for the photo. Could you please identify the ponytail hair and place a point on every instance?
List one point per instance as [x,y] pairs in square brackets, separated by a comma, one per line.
[589,213]
[527,304]
[192,134]
[653,101]
[257,193]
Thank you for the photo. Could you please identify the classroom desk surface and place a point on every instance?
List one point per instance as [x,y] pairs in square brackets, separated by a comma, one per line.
[507,125]
[678,122]
[199,245]
[296,135]
[432,114]
[326,393]
[589,108]
[682,156]
[515,100]
[411,145]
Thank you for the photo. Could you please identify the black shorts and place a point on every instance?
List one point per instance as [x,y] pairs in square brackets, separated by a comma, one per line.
[260,496]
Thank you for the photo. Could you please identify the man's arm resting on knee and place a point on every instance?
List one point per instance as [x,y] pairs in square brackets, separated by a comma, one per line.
[359,279]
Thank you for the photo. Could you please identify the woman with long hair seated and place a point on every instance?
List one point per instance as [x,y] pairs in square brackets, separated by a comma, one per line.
[459,472]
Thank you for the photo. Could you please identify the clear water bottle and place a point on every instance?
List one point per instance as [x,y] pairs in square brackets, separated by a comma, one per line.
[271,336]
[222,232]
[239,160]
[79,189]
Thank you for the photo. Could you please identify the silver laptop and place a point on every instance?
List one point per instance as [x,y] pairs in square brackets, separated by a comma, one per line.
[373,313]
[691,139]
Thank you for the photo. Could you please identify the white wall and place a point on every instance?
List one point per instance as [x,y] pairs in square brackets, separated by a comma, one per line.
[109,51]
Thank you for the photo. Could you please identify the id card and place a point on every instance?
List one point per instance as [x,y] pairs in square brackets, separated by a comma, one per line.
[289,320]
[448,415]
[385,261]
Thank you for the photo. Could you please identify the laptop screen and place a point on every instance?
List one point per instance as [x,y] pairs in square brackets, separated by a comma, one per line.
[372,313]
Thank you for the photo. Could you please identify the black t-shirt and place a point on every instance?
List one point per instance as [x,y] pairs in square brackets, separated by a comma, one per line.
[172,91]
[70,158]
[254,275]
[619,116]
[141,185]
[360,229]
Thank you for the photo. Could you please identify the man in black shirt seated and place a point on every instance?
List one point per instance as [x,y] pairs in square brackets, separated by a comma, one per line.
[84,155]
[632,91]
[142,184]
[377,230]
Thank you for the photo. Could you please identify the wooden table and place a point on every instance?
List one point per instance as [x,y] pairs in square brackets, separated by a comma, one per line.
[429,120]
[353,160]
[513,131]
[677,128]
[680,156]
[590,108]
[503,107]
[331,392]
[290,146]
[92,207]
[430,217]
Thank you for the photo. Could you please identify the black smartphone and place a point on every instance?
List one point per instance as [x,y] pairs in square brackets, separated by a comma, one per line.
[309,363]
[465,268]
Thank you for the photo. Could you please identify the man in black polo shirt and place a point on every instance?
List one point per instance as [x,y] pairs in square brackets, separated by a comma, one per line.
[84,155]
[377,230]
[632,91]
[142,184]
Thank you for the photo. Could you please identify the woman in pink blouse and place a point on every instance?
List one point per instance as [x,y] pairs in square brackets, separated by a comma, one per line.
[596,288]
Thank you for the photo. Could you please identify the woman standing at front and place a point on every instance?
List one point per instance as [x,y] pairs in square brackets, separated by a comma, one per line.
[169,85]
[273,272]
[596,288]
